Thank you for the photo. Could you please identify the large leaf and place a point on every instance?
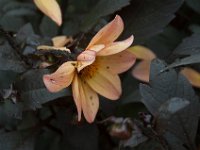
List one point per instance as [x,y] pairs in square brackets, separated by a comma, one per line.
[194,4]
[10,60]
[145,18]
[102,8]
[169,88]
[32,91]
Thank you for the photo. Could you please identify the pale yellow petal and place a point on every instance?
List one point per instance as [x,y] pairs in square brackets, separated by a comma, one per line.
[90,103]
[45,47]
[116,47]
[108,33]
[106,84]
[86,58]
[117,63]
[51,9]
[142,52]
[142,71]
[60,79]
[60,41]
[192,75]
[76,90]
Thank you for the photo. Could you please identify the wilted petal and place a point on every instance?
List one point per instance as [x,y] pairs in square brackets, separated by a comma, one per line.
[86,58]
[51,9]
[192,75]
[106,84]
[117,63]
[60,41]
[108,33]
[116,47]
[142,52]
[142,71]
[45,47]
[61,78]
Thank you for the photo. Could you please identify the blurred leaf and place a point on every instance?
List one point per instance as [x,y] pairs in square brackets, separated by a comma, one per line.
[48,27]
[7,78]
[32,91]
[189,45]
[102,8]
[9,60]
[145,18]
[19,9]
[194,4]
[17,140]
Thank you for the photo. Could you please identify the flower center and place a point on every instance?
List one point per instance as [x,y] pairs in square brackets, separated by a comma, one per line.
[89,71]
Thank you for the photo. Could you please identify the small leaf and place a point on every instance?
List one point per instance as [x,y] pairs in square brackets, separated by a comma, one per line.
[102,8]
[141,17]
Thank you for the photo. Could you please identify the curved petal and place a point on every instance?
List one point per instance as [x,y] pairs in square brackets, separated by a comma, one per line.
[86,58]
[97,48]
[51,9]
[116,47]
[142,52]
[76,90]
[61,78]
[142,71]
[108,33]
[117,63]
[62,40]
[106,84]
[192,75]
[90,103]
[85,99]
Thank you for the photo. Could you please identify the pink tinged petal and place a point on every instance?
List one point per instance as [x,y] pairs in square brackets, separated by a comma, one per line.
[51,9]
[60,41]
[90,103]
[86,58]
[116,47]
[108,33]
[142,71]
[142,52]
[192,75]
[60,79]
[76,90]
[97,48]
[117,63]
[106,84]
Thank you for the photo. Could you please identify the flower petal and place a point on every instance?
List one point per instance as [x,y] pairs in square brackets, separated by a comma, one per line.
[60,41]
[142,71]
[142,52]
[192,75]
[97,48]
[86,58]
[51,9]
[108,33]
[117,63]
[76,90]
[116,47]
[90,103]
[86,98]
[106,84]
[61,78]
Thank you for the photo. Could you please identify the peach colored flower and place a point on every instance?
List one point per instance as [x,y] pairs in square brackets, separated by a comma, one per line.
[95,70]
[51,9]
